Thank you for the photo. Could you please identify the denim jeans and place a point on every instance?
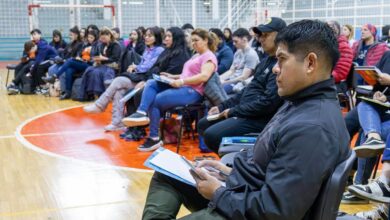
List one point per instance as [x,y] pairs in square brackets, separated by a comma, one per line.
[69,68]
[228,88]
[159,97]
[53,69]
[372,119]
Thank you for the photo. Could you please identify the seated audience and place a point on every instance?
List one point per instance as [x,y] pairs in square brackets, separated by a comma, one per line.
[71,51]
[224,53]
[171,60]
[136,42]
[117,37]
[244,62]
[250,110]
[76,65]
[41,64]
[271,181]
[96,77]
[341,70]
[348,32]
[186,88]
[367,51]
[355,121]
[378,190]
[229,39]
[22,68]
[57,42]
[83,34]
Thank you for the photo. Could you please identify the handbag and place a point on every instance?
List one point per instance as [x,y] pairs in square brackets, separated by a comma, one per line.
[214,91]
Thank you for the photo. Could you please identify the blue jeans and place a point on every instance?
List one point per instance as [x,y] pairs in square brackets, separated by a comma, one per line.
[70,67]
[53,69]
[372,119]
[158,97]
[228,88]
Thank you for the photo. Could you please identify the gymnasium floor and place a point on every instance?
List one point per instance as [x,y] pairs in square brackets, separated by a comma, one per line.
[58,163]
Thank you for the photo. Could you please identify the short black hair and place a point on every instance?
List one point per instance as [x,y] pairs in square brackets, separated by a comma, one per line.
[156,32]
[36,30]
[187,26]
[241,33]
[305,36]
[218,32]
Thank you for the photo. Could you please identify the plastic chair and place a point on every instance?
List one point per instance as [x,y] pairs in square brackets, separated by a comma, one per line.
[327,203]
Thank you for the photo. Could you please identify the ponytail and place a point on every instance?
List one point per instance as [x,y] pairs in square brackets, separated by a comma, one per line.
[212,38]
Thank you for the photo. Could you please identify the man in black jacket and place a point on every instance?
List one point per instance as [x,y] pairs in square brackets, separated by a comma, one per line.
[279,178]
[251,109]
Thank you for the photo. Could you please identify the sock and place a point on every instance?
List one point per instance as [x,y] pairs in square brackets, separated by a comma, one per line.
[155,138]
[141,112]
[384,179]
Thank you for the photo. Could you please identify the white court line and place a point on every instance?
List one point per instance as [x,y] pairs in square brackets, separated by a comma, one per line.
[7,136]
[31,146]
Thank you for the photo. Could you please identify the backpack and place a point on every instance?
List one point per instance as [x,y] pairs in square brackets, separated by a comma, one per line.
[54,89]
[26,87]
[128,57]
[77,92]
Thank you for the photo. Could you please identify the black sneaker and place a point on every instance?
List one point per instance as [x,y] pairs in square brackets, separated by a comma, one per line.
[136,119]
[376,191]
[380,212]
[370,148]
[349,198]
[150,145]
[12,90]
[125,133]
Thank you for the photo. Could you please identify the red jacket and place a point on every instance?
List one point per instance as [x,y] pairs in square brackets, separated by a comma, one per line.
[343,65]
[374,53]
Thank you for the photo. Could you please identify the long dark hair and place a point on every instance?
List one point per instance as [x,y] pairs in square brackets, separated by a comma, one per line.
[230,34]
[57,33]
[178,48]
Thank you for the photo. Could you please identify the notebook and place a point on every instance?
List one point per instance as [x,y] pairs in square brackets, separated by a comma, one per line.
[129,95]
[171,164]
[385,104]
[370,74]
[162,79]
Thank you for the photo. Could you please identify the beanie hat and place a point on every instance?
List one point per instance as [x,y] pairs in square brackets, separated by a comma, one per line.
[371,28]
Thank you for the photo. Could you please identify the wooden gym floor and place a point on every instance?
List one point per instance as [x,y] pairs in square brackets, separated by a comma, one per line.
[59,164]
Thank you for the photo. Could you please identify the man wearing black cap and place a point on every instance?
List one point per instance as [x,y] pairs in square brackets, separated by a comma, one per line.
[249,110]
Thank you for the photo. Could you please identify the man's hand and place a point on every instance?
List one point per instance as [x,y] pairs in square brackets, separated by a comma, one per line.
[380,96]
[213,111]
[216,165]
[140,85]
[207,185]
[225,113]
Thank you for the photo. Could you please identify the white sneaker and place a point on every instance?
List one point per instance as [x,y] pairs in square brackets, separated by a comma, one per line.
[92,108]
[112,127]
[378,213]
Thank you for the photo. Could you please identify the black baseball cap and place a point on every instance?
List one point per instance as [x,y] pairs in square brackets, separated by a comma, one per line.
[272,24]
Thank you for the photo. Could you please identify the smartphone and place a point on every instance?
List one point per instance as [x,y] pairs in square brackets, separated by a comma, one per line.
[192,169]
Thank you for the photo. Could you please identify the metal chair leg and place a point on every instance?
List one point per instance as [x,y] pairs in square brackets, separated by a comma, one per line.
[179,135]
[6,81]
[376,166]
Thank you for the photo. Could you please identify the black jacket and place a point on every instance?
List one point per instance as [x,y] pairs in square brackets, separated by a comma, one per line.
[72,49]
[113,52]
[384,66]
[259,99]
[139,47]
[281,176]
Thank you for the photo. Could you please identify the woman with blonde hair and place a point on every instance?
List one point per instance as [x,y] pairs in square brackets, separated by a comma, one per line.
[348,31]
[186,88]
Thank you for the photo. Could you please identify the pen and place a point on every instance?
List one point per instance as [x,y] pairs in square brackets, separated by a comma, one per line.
[385,90]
